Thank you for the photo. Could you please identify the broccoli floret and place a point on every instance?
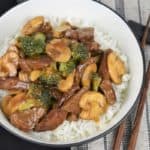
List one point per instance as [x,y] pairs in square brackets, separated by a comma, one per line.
[50,80]
[79,51]
[67,67]
[40,36]
[39,92]
[96,79]
[32,46]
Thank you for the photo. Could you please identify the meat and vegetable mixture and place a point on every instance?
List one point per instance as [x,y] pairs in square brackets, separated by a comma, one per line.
[53,74]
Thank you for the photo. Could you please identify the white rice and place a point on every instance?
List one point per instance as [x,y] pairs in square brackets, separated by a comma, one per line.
[69,131]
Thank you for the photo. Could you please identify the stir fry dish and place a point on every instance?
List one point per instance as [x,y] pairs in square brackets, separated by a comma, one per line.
[53,74]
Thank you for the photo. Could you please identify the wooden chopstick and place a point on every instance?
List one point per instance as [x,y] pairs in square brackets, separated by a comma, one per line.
[137,122]
[121,129]
[143,42]
[119,135]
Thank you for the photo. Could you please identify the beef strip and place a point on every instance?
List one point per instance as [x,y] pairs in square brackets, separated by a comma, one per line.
[72,117]
[52,120]
[68,94]
[81,34]
[72,105]
[106,85]
[103,69]
[12,83]
[108,90]
[92,46]
[26,120]
[27,65]
[56,93]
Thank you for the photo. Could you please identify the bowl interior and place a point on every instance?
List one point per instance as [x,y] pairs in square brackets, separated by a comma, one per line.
[87,11]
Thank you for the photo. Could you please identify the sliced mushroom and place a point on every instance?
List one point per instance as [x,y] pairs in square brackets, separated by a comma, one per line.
[116,67]
[13,48]
[34,75]
[59,31]
[23,76]
[33,25]
[108,90]
[65,85]
[81,67]
[92,105]
[86,78]
[11,104]
[58,50]
[9,64]
[4,104]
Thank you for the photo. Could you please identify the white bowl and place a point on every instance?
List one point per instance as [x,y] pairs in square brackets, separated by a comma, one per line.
[86,10]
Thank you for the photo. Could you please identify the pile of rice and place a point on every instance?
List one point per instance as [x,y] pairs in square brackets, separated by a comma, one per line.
[70,131]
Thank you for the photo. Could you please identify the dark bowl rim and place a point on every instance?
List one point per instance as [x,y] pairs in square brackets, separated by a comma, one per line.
[107,131]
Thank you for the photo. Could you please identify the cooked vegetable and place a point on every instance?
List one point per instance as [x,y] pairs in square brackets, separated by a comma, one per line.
[79,51]
[32,46]
[59,30]
[33,25]
[93,105]
[23,76]
[11,104]
[67,67]
[116,67]
[29,103]
[50,80]
[96,79]
[58,50]
[81,67]
[4,104]
[9,64]
[39,92]
[65,85]
[87,75]
[34,75]
[39,36]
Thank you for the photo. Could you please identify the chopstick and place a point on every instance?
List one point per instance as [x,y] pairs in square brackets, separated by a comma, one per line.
[137,122]
[143,42]
[121,129]
[119,135]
